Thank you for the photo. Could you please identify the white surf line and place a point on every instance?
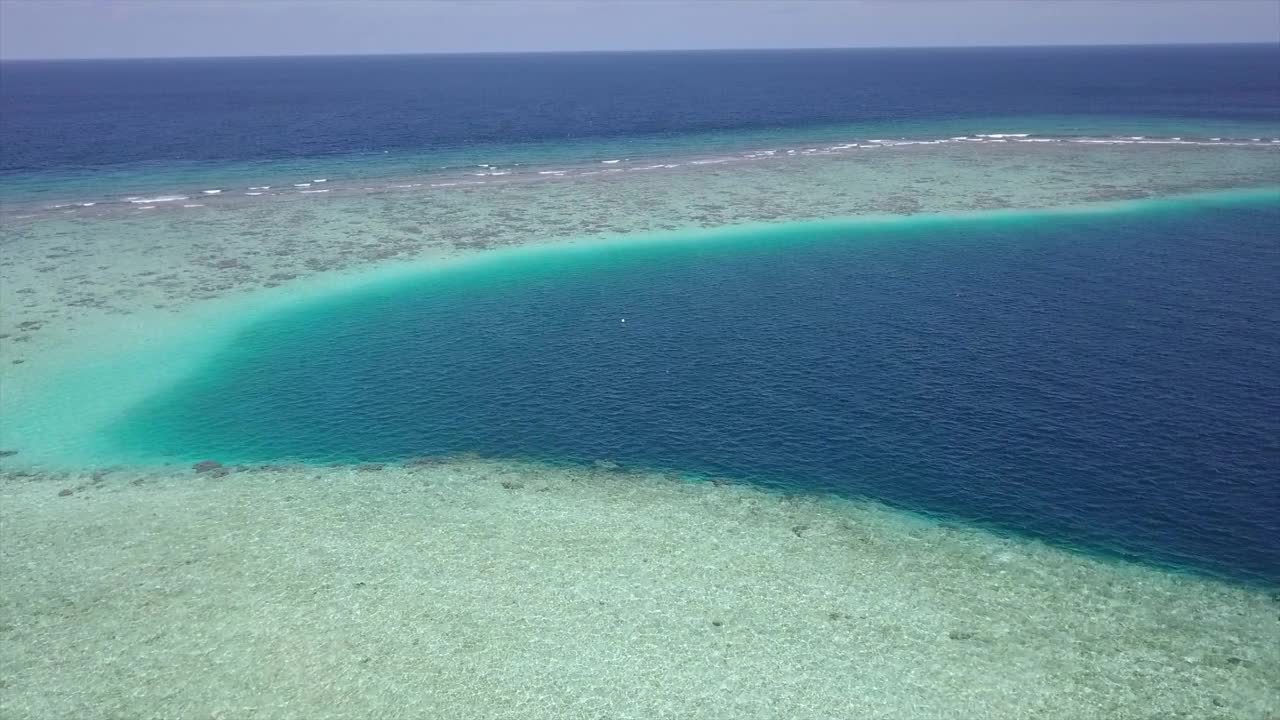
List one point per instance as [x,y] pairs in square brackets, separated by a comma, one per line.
[161,198]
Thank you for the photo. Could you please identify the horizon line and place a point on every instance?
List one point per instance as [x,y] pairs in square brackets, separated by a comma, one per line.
[638,51]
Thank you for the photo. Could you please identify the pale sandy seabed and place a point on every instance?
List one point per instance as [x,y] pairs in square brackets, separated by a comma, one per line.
[472,588]
[479,589]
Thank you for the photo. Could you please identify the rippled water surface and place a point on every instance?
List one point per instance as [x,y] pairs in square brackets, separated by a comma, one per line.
[583,380]
[124,131]
[1108,380]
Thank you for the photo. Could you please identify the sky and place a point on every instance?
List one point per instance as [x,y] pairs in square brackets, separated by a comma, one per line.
[200,28]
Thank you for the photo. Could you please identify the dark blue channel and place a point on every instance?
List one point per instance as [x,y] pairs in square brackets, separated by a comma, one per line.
[1110,382]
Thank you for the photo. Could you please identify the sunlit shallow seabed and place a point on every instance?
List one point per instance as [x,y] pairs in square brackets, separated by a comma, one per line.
[522,591]
[517,588]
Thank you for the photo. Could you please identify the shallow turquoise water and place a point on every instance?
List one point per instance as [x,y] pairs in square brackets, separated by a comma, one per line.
[1104,380]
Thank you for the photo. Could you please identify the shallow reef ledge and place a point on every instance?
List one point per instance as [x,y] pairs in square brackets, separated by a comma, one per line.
[523,591]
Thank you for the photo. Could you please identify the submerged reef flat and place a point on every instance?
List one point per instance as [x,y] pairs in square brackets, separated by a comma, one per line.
[67,268]
[471,588]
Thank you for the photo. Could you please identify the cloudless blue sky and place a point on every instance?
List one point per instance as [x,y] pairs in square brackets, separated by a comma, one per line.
[169,28]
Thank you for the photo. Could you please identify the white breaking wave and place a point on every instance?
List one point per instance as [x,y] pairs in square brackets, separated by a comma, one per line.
[612,165]
[161,198]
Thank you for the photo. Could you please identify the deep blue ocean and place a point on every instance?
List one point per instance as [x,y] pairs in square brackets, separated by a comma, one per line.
[257,119]
[1111,382]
